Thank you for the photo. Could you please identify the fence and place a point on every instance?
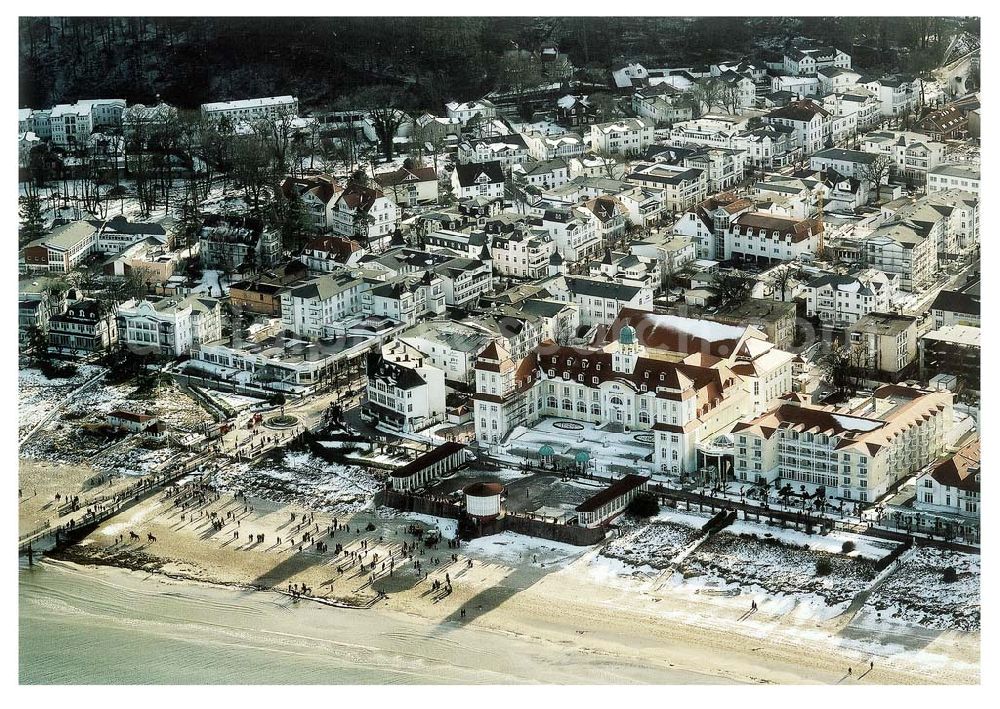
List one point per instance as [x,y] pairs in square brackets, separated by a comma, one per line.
[440,507]
[889,558]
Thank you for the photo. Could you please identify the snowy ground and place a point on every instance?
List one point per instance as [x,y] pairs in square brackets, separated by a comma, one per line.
[917,594]
[68,437]
[766,564]
[655,545]
[513,549]
[38,395]
[302,479]
[610,453]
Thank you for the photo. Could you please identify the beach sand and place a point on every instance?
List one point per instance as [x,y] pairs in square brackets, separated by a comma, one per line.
[40,481]
[526,588]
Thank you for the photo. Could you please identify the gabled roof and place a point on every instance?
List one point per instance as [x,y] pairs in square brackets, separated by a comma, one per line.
[405,176]
[360,198]
[468,175]
[961,470]
[804,110]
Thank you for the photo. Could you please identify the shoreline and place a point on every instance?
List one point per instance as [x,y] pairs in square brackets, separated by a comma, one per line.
[773,659]
[573,599]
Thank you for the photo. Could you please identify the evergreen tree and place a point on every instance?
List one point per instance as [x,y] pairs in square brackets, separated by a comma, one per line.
[32,221]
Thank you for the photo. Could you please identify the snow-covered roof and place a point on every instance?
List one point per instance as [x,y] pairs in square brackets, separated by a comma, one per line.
[249,103]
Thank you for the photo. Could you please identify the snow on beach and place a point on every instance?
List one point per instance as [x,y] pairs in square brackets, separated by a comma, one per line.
[513,548]
[917,594]
[776,568]
[654,545]
[302,479]
[67,438]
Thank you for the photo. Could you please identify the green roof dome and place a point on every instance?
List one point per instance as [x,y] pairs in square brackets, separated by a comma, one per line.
[582,457]
[626,335]
[546,450]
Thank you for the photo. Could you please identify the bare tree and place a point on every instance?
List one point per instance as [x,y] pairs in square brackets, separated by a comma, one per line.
[603,104]
[382,102]
[252,169]
[707,92]
[781,279]
[729,96]
[875,172]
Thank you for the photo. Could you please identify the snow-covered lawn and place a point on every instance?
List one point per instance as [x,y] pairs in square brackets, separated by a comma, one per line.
[302,479]
[917,594]
[831,543]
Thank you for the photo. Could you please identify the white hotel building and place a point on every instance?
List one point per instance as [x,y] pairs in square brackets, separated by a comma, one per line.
[626,136]
[685,380]
[169,327]
[251,109]
[856,452]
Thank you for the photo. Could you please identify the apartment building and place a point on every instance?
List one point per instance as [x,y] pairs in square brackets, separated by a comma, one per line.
[854,452]
[61,250]
[405,392]
[809,121]
[911,155]
[542,146]
[682,186]
[951,489]
[905,250]
[885,342]
[523,253]
[450,346]
[405,299]
[83,328]
[312,308]
[960,176]
[366,215]
[765,238]
[840,301]
[952,349]
[251,109]
[708,223]
[626,136]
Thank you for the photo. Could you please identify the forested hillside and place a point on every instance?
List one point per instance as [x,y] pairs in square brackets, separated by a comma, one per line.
[188,61]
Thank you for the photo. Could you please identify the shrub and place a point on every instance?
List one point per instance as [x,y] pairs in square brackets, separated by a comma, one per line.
[823,567]
[950,575]
[644,505]
[848,547]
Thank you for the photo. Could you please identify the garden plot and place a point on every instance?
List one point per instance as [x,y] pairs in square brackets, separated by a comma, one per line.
[772,566]
[917,594]
[302,479]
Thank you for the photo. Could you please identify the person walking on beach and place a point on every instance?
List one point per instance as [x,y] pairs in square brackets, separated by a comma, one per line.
[849,671]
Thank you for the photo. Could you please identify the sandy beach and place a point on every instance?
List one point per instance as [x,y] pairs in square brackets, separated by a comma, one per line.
[522,588]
